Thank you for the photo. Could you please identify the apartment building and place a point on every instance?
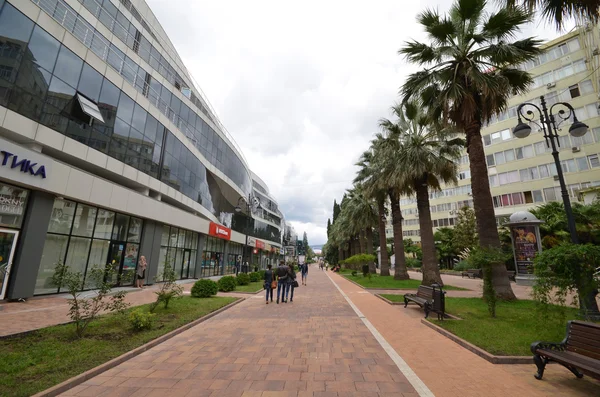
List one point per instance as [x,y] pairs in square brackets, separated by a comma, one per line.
[522,172]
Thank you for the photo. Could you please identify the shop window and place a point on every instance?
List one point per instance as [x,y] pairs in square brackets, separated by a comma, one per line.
[13,202]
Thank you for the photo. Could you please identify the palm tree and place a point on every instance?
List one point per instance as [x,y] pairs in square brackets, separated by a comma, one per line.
[388,152]
[469,76]
[370,177]
[558,11]
[427,158]
[360,209]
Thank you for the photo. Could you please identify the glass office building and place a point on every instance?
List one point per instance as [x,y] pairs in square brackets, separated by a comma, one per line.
[109,152]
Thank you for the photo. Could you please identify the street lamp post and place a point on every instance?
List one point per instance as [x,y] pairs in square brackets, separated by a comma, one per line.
[548,123]
[248,203]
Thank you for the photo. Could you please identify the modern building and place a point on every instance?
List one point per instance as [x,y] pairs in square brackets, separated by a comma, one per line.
[522,172]
[109,151]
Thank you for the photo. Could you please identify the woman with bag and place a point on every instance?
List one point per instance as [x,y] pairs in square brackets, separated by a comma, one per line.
[292,281]
[270,283]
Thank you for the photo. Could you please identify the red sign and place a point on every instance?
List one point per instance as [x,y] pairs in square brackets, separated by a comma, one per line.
[219,231]
[260,244]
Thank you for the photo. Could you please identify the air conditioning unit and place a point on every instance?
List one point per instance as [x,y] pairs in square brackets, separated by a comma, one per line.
[596,51]
[550,85]
[556,177]
[576,149]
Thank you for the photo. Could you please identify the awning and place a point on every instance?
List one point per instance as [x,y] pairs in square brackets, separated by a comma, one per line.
[89,108]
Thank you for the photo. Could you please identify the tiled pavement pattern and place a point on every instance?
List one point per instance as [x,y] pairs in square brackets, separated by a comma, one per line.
[450,370]
[315,346]
[45,311]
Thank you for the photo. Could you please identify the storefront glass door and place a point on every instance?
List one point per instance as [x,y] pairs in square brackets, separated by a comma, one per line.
[8,242]
[115,259]
[185,271]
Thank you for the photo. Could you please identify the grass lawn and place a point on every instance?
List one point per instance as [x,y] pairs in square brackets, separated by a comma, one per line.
[388,282]
[36,361]
[252,287]
[394,297]
[516,326]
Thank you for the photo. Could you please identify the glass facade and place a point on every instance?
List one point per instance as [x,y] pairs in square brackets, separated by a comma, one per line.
[203,137]
[178,248]
[213,257]
[82,236]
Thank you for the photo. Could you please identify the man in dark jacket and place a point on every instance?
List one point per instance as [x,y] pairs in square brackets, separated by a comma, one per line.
[282,282]
[268,281]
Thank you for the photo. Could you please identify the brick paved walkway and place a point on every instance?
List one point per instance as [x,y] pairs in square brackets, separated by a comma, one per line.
[450,370]
[316,346]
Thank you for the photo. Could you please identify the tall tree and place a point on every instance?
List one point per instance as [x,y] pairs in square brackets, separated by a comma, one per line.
[369,176]
[559,11]
[464,230]
[328,227]
[428,155]
[305,241]
[470,72]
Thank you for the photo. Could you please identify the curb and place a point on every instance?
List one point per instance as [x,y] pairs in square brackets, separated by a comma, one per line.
[79,379]
[248,293]
[478,351]
[386,300]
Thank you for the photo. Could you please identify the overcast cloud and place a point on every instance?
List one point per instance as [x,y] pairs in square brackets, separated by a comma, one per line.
[300,85]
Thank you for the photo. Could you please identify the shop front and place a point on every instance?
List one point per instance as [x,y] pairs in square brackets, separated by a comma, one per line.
[82,236]
[178,249]
[213,257]
[234,257]
[13,203]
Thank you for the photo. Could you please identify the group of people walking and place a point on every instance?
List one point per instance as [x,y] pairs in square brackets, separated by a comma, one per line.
[284,280]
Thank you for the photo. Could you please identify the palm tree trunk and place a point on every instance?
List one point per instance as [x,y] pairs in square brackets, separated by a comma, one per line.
[400,270]
[361,241]
[384,264]
[484,209]
[431,272]
[340,255]
[369,235]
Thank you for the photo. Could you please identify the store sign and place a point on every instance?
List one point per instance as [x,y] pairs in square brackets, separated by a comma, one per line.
[260,244]
[23,164]
[219,231]
[251,242]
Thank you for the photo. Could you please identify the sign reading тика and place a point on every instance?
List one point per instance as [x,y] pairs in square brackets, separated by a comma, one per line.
[23,164]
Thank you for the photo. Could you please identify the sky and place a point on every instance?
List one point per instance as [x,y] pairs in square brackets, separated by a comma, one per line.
[300,85]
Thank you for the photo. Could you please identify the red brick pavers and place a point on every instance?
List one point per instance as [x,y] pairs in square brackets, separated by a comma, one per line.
[316,346]
[450,370]
[40,312]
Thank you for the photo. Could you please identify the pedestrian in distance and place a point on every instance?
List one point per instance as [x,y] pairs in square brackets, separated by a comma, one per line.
[269,280]
[282,282]
[304,272]
[141,272]
[292,282]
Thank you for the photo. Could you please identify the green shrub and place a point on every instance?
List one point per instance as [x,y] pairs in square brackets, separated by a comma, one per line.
[254,277]
[204,288]
[354,273]
[243,279]
[261,275]
[141,320]
[461,266]
[413,263]
[227,283]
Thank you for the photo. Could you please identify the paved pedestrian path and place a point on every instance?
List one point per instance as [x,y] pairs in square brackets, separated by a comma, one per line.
[450,370]
[316,346]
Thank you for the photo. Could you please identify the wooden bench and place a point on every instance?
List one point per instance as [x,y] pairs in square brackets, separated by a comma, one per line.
[472,273]
[431,299]
[579,352]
